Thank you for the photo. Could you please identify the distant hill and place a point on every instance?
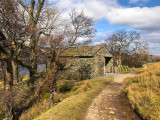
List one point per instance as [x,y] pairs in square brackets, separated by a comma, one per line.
[155,58]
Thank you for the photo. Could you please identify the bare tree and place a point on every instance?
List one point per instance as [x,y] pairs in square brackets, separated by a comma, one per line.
[40,19]
[79,27]
[41,26]
[32,10]
[12,36]
[24,21]
[124,42]
[32,22]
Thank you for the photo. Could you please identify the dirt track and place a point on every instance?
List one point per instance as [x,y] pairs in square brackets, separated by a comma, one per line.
[111,104]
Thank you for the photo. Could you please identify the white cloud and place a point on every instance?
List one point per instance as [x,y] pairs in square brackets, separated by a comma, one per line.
[145,19]
[93,8]
[101,37]
[155,49]
[141,18]
[154,41]
[152,37]
[136,17]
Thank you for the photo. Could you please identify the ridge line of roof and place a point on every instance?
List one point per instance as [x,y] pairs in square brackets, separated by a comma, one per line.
[98,49]
[87,46]
[84,50]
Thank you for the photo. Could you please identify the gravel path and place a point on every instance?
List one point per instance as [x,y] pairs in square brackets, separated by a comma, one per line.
[111,104]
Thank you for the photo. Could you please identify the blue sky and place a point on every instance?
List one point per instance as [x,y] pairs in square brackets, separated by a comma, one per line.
[140,3]
[112,15]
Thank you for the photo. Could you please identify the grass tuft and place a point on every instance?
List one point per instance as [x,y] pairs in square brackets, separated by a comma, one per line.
[75,106]
[144,91]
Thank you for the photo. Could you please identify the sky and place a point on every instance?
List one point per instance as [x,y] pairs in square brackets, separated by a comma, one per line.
[112,15]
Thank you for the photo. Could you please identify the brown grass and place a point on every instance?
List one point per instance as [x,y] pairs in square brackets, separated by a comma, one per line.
[74,103]
[144,91]
[75,106]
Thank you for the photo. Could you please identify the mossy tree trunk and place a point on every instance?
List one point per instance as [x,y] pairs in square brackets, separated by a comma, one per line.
[120,56]
[14,71]
[1,69]
[3,73]
[33,59]
[4,76]
[9,73]
[53,81]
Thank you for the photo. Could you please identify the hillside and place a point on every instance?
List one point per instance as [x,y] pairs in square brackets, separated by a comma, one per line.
[74,98]
[155,58]
[143,91]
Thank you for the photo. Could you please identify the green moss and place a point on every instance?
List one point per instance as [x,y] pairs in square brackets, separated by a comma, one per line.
[1,114]
[66,87]
[57,99]
[46,96]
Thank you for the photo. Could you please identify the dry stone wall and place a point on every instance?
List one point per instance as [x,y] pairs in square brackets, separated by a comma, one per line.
[99,65]
[79,69]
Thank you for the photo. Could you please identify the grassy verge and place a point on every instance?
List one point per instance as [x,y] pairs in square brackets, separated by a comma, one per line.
[75,106]
[144,91]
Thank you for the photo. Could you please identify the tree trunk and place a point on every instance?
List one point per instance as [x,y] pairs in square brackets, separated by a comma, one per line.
[8,72]
[119,57]
[1,69]
[53,82]
[4,74]
[33,59]
[53,89]
[33,77]
[48,67]
[11,109]
[119,61]
[14,71]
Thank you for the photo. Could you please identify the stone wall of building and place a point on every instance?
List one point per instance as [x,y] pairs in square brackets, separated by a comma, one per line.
[79,68]
[92,63]
[86,68]
[99,65]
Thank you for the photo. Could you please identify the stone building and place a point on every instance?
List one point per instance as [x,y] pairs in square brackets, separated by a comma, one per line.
[87,61]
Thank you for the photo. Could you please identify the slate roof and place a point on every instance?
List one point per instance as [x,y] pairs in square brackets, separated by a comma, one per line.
[70,52]
[85,51]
